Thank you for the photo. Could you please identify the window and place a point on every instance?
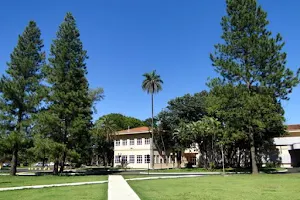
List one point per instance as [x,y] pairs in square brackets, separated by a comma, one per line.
[157,159]
[131,141]
[124,159]
[139,159]
[124,142]
[139,141]
[131,159]
[147,158]
[117,142]
[194,160]
[117,159]
[147,140]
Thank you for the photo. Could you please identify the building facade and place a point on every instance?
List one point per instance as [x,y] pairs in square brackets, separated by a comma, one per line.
[288,147]
[132,150]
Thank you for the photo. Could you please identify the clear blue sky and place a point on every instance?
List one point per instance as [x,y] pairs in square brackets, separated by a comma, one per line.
[126,38]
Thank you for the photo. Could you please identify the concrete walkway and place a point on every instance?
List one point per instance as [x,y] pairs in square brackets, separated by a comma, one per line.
[119,189]
[52,185]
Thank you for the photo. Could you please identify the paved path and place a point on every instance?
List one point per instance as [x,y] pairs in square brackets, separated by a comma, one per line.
[52,185]
[118,189]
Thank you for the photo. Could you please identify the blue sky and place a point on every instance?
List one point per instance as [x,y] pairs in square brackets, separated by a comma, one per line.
[125,39]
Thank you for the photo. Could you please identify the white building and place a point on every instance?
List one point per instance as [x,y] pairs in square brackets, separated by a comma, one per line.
[132,148]
[289,147]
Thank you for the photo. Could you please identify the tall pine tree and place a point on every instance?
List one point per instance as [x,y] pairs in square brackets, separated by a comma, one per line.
[21,90]
[69,101]
[251,56]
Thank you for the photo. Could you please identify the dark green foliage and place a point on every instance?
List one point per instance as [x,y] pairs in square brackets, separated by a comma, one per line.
[259,114]
[69,111]
[21,91]
[188,108]
[148,122]
[122,122]
[180,110]
[103,135]
[252,59]
[250,54]
[104,131]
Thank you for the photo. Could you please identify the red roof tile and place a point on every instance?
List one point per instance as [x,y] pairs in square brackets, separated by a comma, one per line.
[293,127]
[143,129]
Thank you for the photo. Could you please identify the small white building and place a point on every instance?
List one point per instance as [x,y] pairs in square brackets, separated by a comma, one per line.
[289,147]
[132,150]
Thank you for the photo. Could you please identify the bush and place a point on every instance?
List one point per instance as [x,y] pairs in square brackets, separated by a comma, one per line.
[189,165]
[272,165]
[212,165]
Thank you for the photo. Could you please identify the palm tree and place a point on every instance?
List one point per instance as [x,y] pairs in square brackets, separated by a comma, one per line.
[105,132]
[152,84]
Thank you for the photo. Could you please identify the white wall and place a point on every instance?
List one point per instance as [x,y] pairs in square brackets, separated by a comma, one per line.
[284,144]
[286,140]
[135,150]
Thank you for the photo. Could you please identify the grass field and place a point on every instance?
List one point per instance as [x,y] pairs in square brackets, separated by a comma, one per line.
[139,176]
[11,181]
[87,192]
[182,170]
[236,187]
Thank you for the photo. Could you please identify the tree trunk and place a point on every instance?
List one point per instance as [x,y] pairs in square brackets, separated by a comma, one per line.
[14,162]
[253,155]
[239,159]
[44,158]
[62,165]
[151,140]
[55,168]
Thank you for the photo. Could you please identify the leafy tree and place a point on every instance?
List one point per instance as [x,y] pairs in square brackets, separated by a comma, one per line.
[122,122]
[152,84]
[21,90]
[96,95]
[103,135]
[41,149]
[185,109]
[105,129]
[69,112]
[180,110]
[232,106]
[188,108]
[251,56]
[148,122]
[204,134]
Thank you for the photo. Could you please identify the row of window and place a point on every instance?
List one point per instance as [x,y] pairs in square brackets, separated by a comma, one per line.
[139,141]
[139,159]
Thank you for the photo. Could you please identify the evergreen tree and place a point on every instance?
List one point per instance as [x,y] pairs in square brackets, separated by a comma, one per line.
[21,90]
[251,56]
[69,101]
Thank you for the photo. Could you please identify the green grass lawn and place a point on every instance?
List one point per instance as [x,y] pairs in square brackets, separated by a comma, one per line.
[86,192]
[11,181]
[182,170]
[235,187]
[140,176]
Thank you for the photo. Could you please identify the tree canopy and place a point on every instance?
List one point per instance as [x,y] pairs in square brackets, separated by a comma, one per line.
[251,58]
[122,122]
[21,90]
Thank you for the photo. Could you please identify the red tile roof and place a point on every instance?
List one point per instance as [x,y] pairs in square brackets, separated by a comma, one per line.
[143,129]
[293,127]
[293,130]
